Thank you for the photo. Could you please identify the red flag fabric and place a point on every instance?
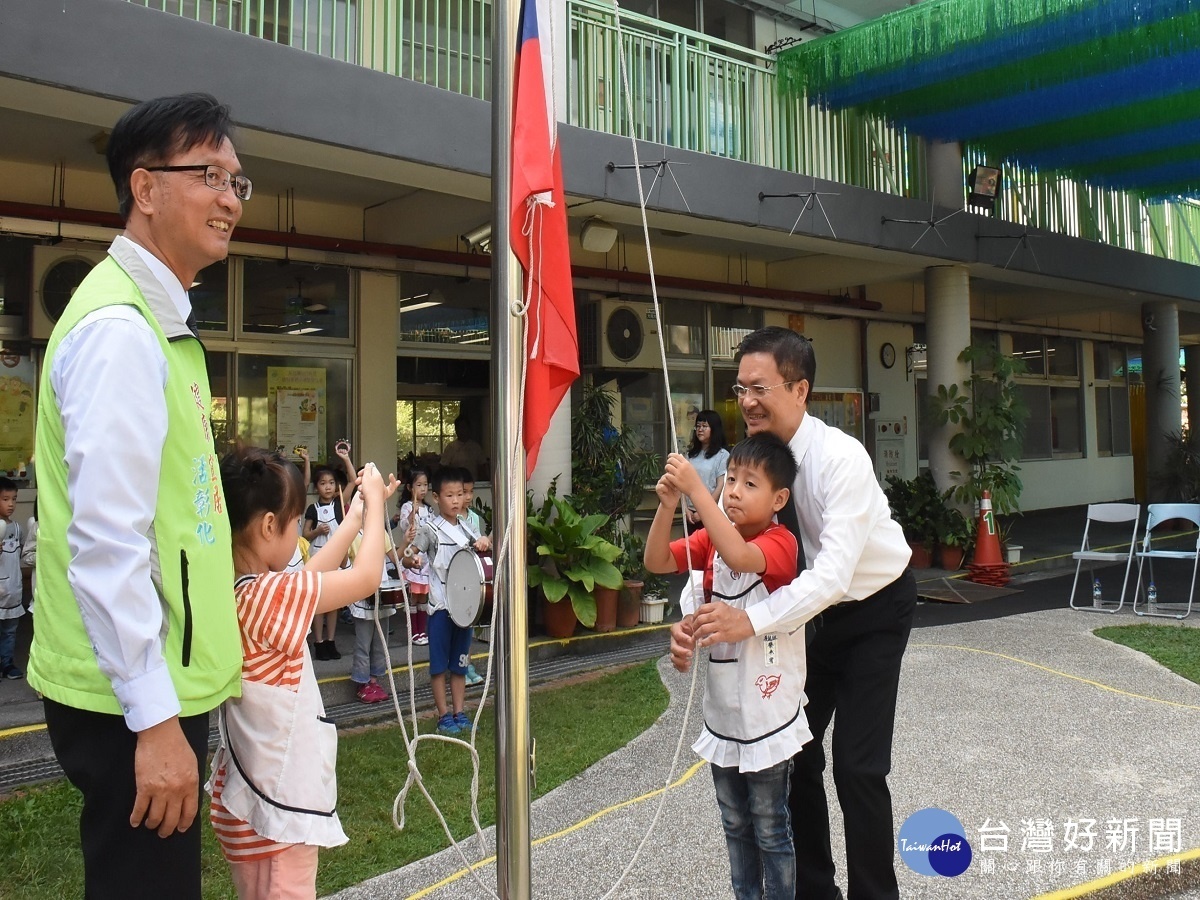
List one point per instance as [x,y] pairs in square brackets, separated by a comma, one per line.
[539,232]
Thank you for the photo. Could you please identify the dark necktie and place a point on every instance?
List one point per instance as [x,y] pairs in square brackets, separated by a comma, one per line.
[788,519]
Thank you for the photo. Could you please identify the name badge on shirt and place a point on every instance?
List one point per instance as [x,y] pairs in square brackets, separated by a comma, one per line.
[771,649]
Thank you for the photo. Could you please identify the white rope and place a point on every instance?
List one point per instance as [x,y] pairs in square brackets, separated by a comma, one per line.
[662,351]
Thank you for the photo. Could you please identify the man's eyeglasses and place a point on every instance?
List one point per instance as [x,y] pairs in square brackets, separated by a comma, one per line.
[757,391]
[216,177]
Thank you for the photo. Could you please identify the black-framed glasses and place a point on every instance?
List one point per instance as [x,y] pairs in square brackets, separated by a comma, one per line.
[758,391]
[216,177]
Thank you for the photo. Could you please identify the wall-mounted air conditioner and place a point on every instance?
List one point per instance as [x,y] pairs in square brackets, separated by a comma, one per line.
[620,334]
[57,271]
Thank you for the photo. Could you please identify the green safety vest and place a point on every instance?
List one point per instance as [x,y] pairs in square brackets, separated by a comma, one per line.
[191,551]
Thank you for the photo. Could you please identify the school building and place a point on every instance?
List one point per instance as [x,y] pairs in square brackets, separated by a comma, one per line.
[355,299]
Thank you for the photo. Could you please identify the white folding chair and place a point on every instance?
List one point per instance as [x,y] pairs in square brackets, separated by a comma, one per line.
[1111,513]
[1156,514]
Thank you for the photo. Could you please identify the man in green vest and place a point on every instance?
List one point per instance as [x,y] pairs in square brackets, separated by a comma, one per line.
[137,638]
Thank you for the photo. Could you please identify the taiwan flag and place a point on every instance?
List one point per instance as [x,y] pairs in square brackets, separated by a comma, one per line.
[539,230]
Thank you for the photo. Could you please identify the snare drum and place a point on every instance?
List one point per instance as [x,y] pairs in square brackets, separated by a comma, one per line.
[391,592]
[468,587]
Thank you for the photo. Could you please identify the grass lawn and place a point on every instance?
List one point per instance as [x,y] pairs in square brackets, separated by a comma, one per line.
[1175,646]
[575,725]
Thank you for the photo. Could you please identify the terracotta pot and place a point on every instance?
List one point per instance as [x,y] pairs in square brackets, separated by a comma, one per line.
[606,608]
[952,557]
[922,556]
[629,604]
[559,618]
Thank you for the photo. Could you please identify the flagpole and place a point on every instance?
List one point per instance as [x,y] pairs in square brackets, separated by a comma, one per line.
[508,480]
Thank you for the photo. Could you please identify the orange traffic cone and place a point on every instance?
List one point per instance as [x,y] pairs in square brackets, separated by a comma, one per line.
[987,566]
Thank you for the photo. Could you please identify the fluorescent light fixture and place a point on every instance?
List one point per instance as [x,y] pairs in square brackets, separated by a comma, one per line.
[424,305]
[478,340]
[304,329]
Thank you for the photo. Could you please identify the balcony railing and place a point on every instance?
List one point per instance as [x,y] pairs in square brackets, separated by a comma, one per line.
[692,92]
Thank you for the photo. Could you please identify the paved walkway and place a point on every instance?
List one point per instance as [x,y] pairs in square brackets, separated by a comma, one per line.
[1003,722]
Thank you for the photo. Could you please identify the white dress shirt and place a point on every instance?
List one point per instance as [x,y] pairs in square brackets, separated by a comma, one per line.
[852,545]
[109,375]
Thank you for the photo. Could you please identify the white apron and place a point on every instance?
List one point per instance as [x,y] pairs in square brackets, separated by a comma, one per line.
[754,696]
[280,752]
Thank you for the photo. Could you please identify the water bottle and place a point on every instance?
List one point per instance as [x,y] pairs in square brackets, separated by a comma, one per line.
[1096,597]
[1152,594]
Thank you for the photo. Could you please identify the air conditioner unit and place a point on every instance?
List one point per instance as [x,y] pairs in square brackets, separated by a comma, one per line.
[57,271]
[620,334]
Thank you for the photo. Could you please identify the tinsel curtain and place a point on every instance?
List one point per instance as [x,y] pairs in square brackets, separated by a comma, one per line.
[1105,90]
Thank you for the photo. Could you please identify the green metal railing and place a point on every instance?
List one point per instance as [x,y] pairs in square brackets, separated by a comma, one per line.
[699,93]
[691,91]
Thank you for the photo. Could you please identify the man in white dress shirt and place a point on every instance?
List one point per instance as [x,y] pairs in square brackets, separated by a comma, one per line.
[136,639]
[857,595]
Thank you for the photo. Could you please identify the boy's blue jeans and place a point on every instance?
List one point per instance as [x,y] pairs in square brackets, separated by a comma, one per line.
[758,831]
[8,640]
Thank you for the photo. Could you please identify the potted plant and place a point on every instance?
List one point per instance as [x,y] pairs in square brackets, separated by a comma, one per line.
[917,505]
[954,535]
[992,416]
[633,569]
[572,560]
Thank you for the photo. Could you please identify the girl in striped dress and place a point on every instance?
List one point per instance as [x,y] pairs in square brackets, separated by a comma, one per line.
[274,790]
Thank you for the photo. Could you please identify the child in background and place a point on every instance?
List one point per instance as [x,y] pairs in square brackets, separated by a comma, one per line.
[321,520]
[369,662]
[29,552]
[754,719]
[475,527]
[274,786]
[449,645]
[12,597]
[413,511]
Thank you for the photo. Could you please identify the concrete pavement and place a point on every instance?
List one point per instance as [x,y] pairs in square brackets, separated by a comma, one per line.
[1025,725]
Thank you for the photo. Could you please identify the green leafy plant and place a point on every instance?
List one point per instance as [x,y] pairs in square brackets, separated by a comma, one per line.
[609,467]
[1179,476]
[632,560]
[573,557]
[992,414]
[953,529]
[917,505]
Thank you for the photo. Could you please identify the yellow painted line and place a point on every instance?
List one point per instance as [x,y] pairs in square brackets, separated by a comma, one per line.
[1033,665]
[462,873]
[21,729]
[1137,870]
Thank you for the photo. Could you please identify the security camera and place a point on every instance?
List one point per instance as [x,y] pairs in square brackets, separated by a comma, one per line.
[479,239]
[1148,321]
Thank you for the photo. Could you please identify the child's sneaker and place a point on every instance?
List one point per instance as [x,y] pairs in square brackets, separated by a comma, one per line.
[448,724]
[421,639]
[12,672]
[372,693]
[472,676]
[461,720]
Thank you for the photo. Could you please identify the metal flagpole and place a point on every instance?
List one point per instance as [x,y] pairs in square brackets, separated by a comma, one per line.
[508,481]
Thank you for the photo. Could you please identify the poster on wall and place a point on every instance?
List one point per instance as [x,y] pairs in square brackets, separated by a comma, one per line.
[684,406]
[296,403]
[296,421]
[17,412]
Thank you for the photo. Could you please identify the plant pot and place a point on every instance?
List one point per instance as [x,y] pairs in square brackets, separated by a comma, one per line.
[629,604]
[559,618]
[653,610]
[1012,553]
[952,557]
[922,556]
[606,608]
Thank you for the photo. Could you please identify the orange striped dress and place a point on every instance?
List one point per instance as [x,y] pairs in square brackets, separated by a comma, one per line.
[274,611]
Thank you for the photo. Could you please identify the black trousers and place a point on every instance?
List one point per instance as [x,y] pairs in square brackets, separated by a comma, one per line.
[96,752]
[854,654]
